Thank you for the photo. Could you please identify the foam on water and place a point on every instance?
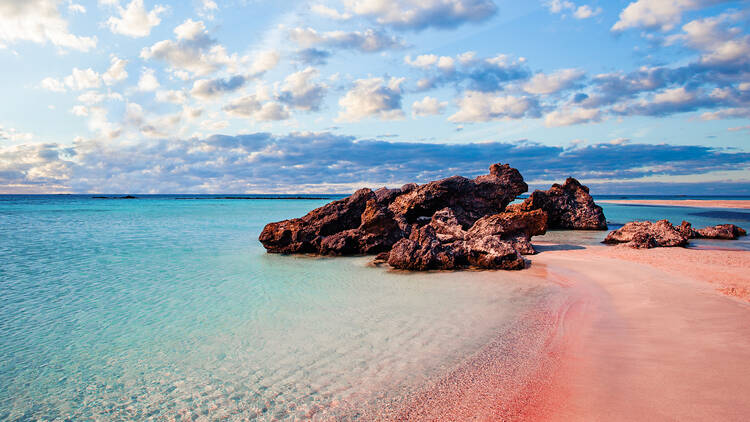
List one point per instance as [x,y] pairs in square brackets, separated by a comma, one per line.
[117,309]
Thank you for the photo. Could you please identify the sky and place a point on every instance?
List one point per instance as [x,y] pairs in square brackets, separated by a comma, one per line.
[256,96]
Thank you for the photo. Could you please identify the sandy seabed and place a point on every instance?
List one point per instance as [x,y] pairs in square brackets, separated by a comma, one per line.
[653,335]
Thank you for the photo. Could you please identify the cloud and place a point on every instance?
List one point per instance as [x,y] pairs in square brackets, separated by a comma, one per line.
[420,14]
[83,79]
[313,56]
[134,21]
[477,106]
[116,71]
[148,81]
[212,88]
[720,43]
[372,97]
[258,107]
[554,82]
[585,12]
[300,91]
[171,96]
[190,30]
[39,21]
[657,14]
[52,84]
[487,74]
[12,134]
[367,41]
[303,162]
[579,12]
[428,106]
[571,116]
[195,52]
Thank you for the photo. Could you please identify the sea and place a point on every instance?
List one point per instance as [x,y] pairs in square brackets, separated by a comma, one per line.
[166,307]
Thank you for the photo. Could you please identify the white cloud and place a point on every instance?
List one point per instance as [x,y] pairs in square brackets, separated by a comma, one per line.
[719,42]
[477,106]
[38,21]
[372,97]
[368,41]
[148,81]
[426,61]
[171,96]
[420,14]
[116,71]
[202,58]
[208,8]
[14,135]
[253,106]
[91,97]
[657,14]
[83,79]
[134,21]
[579,12]
[568,116]
[52,84]
[428,106]
[299,90]
[190,30]
[542,83]
[80,110]
[328,12]
[75,7]
[585,11]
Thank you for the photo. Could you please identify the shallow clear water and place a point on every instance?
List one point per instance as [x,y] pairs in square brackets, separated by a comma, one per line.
[129,309]
[165,308]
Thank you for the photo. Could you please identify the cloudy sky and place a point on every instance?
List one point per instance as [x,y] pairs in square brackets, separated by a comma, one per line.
[213,96]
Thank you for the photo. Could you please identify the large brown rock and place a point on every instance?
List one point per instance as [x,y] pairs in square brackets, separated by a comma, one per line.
[469,199]
[493,242]
[371,222]
[304,235]
[568,206]
[446,224]
[645,234]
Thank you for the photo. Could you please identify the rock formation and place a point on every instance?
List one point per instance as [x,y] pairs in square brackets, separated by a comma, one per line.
[370,222]
[569,206]
[645,234]
[495,241]
[721,231]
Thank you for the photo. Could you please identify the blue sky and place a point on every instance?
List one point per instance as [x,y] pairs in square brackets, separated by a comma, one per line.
[646,96]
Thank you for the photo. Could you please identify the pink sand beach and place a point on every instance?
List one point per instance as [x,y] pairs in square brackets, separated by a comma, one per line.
[637,335]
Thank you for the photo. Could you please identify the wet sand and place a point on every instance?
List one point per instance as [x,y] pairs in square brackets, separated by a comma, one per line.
[696,203]
[633,335]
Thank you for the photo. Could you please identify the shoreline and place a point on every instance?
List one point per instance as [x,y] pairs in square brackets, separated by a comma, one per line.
[692,203]
[632,336]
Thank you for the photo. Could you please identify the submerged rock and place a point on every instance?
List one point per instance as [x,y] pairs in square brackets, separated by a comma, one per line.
[568,206]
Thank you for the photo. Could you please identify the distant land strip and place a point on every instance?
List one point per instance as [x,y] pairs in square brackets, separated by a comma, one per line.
[695,203]
[220,197]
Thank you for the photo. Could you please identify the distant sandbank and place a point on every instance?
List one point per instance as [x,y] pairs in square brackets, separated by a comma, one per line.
[697,203]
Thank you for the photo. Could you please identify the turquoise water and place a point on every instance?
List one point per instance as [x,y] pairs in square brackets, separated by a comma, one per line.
[160,308]
[129,309]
